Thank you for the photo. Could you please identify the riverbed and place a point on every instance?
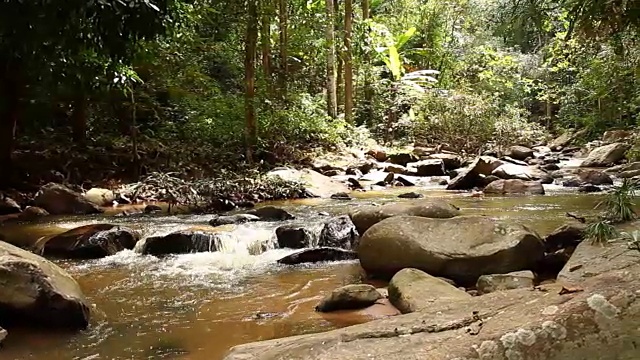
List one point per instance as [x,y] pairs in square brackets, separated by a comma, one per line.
[197,306]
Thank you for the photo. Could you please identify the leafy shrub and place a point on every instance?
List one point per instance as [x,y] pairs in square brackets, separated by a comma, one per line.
[600,232]
[618,204]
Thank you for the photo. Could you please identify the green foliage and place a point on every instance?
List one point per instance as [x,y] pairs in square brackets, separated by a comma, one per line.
[600,232]
[619,204]
[632,238]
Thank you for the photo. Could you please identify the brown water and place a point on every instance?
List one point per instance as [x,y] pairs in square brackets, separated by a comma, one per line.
[197,306]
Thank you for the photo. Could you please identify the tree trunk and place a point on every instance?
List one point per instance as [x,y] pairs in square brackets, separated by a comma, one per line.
[250,79]
[10,95]
[368,91]
[134,138]
[79,119]
[332,101]
[284,40]
[339,63]
[348,63]
[267,12]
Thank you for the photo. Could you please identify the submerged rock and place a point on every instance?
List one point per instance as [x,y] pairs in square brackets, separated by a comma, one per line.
[293,237]
[271,213]
[461,248]
[367,216]
[318,255]
[349,297]
[341,196]
[181,242]
[89,242]
[500,282]
[220,220]
[411,195]
[412,290]
[607,155]
[339,232]
[36,292]
[59,200]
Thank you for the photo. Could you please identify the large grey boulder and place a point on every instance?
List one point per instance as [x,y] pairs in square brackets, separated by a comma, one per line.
[514,186]
[607,155]
[60,200]
[36,292]
[89,242]
[470,177]
[597,321]
[526,173]
[461,249]
[429,167]
[339,232]
[315,183]
[519,152]
[180,242]
[366,216]
[294,237]
[412,290]
[356,296]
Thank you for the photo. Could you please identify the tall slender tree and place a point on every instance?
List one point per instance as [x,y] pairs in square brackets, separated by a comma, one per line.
[283,28]
[251,43]
[265,37]
[332,98]
[348,60]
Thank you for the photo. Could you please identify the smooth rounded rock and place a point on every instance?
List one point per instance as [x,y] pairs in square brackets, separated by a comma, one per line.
[412,290]
[356,296]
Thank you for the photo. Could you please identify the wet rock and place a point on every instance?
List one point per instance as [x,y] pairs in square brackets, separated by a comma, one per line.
[219,220]
[451,161]
[593,177]
[572,182]
[511,160]
[339,232]
[366,216]
[31,213]
[501,282]
[3,335]
[542,150]
[430,167]
[550,167]
[354,184]
[519,152]
[611,136]
[315,183]
[315,255]
[378,154]
[514,186]
[89,242]
[395,169]
[293,237]
[607,155]
[181,242]
[410,195]
[378,177]
[527,173]
[567,235]
[486,180]
[36,292]
[354,172]
[412,290]
[152,209]
[565,139]
[469,178]
[271,213]
[364,167]
[402,158]
[8,205]
[404,181]
[460,248]
[100,197]
[589,188]
[59,200]
[341,196]
[421,151]
[595,323]
[356,296]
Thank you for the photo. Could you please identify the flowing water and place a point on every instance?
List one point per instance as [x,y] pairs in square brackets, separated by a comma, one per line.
[197,306]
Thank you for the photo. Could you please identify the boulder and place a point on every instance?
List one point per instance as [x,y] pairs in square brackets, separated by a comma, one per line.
[180,242]
[271,213]
[468,178]
[100,197]
[339,232]
[378,177]
[451,161]
[550,167]
[500,282]
[349,297]
[3,335]
[293,237]
[598,320]
[395,169]
[412,290]
[589,260]
[430,167]
[219,220]
[593,177]
[410,195]
[566,139]
[341,196]
[461,248]
[36,292]
[421,151]
[59,200]
[315,183]
[527,173]
[629,174]
[519,152]
[31,213]
[607,155]
[320,254]
[8,205]
[486,180]
[150,209]
[511,160]
[611,136]
[567,235]
[378,154]
[402,158]
[366,216]
[89,242]
[572,182]
[624,167]
[588,188]
[514,186]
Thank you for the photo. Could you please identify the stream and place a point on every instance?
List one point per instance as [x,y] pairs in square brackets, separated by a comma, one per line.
[197,306]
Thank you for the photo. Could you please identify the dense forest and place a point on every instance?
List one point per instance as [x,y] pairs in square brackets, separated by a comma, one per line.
[116,89]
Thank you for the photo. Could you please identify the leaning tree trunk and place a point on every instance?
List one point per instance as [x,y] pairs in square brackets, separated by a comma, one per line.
[284,43]
[250,79]
[10,95]
[348,61]
[332,98]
